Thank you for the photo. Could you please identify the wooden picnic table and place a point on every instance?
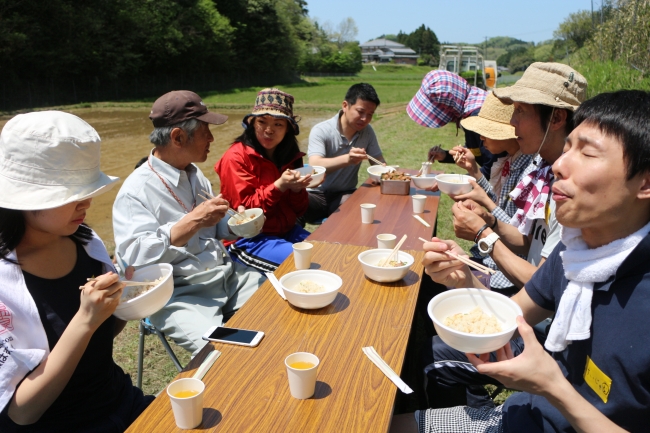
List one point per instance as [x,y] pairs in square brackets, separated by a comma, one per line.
[247,388]
[394,214]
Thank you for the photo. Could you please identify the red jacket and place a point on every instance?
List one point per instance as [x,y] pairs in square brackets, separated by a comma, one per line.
[247,179]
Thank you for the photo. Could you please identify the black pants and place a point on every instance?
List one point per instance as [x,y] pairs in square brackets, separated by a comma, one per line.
[323,204]
[451,380]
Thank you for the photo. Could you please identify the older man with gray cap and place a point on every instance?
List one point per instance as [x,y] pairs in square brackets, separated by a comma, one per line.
[160,217]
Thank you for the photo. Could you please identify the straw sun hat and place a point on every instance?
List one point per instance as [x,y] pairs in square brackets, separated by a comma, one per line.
[552,84]
[49,159]
[276,103]
[493,121]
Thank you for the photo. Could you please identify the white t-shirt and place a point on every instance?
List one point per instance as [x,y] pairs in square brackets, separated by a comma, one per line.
[545,235]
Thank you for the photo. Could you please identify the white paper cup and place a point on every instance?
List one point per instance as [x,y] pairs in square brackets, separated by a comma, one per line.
[188,411]
[367,213]
[302,254]
[302,381]
[386,241]
[418,203]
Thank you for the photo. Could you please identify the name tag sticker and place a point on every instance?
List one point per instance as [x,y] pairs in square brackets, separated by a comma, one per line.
[597,380]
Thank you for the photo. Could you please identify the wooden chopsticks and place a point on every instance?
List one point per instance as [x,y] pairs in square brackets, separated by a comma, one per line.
[128,283]
[419,218]
[483,269]
[375,160]
[384,262]
[232,212]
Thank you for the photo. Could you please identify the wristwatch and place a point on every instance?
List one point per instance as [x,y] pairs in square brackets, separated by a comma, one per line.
[486,245]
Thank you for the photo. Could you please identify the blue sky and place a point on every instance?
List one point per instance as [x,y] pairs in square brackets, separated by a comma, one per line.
[452,20]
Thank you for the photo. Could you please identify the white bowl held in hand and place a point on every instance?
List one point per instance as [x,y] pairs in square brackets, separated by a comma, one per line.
[151,301]
[370,264]
[454,184]
[375,171]
[311,301]
[317,174]
[250,228]
[455,301]
[424,182]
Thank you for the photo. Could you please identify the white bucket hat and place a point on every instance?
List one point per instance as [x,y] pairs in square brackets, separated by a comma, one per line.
[49,159]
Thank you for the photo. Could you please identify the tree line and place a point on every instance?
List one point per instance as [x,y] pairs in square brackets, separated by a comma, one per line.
[67,51]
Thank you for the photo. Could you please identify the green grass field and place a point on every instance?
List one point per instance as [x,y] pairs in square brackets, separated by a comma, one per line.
[403,142]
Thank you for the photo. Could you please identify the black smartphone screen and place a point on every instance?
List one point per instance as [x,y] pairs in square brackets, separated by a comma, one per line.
[234,335]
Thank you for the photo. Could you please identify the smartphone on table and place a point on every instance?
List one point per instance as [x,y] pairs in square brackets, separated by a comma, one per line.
[241,337]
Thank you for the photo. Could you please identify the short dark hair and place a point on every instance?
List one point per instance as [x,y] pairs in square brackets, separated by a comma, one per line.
[362,91]
[284,152]
[545,112]
[12,230]
[625,115]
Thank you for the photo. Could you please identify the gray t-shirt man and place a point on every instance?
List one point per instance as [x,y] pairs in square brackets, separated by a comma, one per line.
[327,140]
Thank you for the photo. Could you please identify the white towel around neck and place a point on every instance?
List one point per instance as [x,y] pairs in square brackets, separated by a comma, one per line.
[583,267]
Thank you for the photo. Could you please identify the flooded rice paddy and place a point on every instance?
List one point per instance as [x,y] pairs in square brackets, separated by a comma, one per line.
[125,133]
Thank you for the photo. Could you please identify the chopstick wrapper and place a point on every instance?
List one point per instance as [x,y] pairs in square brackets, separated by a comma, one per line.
[206,364]
[276,284]
[372,354]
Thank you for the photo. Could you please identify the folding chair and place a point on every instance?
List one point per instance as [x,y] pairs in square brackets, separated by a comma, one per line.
[147,328]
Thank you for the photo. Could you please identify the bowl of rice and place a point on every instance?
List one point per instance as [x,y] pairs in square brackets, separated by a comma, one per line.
[138,302]
[424,181]
[250,225]
[474,320]
[375,171]
[310,288]
[317,174]
[394,271]
[454,184]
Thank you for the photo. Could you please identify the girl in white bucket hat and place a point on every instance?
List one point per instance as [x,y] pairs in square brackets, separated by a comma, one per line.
[56,328]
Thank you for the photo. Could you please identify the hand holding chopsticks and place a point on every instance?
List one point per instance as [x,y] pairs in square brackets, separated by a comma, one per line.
[481,268]
[232,212]
[127,283]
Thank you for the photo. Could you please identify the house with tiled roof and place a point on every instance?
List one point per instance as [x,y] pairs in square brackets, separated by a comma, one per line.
[384,51]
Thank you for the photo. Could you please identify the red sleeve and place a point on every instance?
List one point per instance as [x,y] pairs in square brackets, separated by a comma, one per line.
[240,185]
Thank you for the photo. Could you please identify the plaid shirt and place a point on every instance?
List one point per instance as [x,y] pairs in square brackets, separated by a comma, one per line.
[503,212]
[444,97]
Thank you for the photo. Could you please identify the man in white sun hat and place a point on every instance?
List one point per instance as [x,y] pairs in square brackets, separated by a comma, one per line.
[160,217]
[56,329]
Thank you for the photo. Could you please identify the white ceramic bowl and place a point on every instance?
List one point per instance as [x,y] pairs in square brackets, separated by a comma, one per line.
[424,182]
[454,301]
[152,300]
[375,171]
[317,178]
[370,259]
[249,228]
[454,183]
[311,301]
